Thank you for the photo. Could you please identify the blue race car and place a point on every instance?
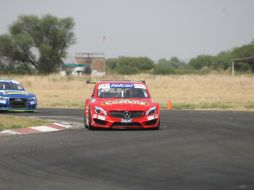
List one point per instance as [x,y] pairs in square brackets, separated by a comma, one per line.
[14,97]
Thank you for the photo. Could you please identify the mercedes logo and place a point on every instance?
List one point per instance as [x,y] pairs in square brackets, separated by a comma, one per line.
[126,115]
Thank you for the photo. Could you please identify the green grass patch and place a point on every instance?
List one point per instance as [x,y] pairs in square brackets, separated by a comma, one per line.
[215,105]
[67,104]
[249,105]
[203,105]
[184,106]
[11,122]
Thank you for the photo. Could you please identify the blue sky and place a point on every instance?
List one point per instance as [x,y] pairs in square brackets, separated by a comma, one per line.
[152,28]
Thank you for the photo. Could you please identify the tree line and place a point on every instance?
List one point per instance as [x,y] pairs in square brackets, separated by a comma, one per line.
[223,60]
[38,45]
[200,64]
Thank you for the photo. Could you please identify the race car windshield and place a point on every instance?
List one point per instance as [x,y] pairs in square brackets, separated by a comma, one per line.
[123,91]
[10,86]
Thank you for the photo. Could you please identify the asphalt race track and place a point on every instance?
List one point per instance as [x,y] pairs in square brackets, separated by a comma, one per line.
[206,150]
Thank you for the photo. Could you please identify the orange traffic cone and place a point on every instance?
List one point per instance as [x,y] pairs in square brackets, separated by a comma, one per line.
[170,106]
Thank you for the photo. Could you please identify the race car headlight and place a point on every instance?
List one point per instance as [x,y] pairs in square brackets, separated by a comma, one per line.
[151,111]
[100,110]
[3,100]
[33,100]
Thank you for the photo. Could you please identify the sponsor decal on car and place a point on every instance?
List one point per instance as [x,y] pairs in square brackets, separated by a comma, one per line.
[121,85]
[15,92]
[103,118]
[139,86]
[104,86]
[124,101]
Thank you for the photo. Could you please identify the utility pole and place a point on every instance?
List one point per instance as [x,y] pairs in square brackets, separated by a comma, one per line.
[104,51]
[233,68]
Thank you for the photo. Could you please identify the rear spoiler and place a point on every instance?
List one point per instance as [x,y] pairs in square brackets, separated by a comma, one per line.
[94,81]
[91,82]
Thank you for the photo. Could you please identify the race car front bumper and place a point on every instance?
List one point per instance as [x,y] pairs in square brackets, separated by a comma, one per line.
[18,104]
[144,122]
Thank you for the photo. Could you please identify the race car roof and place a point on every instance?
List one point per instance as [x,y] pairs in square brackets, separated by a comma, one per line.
[13,81]
[120,84]
[120,81]
[114,81]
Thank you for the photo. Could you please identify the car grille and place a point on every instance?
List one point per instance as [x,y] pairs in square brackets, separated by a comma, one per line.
[120,114]
[152,122]
[100,122]
[120,124]
[18,102]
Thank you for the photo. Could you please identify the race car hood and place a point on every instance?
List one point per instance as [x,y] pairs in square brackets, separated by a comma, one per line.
[16,93]
[124,104]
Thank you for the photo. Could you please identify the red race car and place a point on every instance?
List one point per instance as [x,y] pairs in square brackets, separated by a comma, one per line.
[121,105]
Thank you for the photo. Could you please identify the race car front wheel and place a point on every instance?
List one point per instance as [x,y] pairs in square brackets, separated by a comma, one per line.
[158,126]
[89,125]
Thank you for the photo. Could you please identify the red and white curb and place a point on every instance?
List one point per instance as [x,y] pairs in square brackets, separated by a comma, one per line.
[58,126]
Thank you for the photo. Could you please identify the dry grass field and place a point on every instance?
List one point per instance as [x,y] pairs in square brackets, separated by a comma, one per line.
[186,91]
[7,122]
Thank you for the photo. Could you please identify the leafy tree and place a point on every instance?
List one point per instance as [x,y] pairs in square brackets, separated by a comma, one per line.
[223,60]
[241,52]
[171,66]
[201,61]
[127,69]
[244,51]
[143,63]
[40,42]
[129,65]
[163,69]
[162,61]
[111,64]
[173,62]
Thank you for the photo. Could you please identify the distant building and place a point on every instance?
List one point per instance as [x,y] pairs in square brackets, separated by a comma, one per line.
[86,63]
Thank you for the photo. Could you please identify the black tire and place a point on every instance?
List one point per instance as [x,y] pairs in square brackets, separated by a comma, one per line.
[90,127]
[158,126]
[30,111]
[85,125]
